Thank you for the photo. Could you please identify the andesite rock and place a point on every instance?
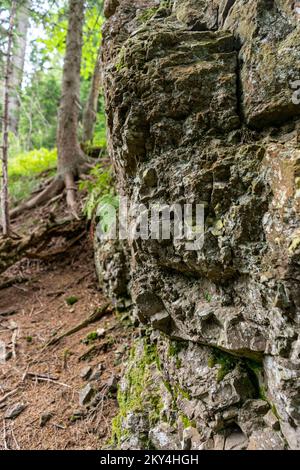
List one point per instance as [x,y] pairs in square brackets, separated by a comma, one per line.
[201,109]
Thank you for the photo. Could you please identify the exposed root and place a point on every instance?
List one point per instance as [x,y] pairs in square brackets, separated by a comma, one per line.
[52,190]
[12,250]
[71,194]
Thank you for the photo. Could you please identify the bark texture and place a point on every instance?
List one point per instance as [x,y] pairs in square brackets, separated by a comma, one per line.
[90,111]
[70,155]
[18,61]
[200,109]
[5,126]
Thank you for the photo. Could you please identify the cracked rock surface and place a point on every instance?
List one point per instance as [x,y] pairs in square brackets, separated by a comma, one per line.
[200,110]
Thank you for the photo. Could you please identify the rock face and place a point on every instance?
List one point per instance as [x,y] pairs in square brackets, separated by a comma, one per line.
[203,108]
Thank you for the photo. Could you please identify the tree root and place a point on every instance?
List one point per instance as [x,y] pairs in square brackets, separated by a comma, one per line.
[55,187]
[96,315]
[52,190]
[13,250]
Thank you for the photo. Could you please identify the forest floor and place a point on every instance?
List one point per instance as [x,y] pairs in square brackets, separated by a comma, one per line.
[41,387]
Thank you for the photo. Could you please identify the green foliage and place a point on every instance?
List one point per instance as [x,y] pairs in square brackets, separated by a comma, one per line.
[24,170]
[187,423]
[101,195]
[32,163]
[91,337]
[71,300]
[38,115]
[92,39]
[56,26]
[207,296]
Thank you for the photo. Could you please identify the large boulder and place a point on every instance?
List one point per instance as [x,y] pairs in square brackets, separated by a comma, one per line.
[200,110]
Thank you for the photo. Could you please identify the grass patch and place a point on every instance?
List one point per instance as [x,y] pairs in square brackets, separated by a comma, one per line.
[24,171]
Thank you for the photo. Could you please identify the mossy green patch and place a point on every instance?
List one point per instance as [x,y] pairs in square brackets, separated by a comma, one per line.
[141,394]
[147,14]
[226,362]
[207,296]
[71,300]
[121,60]
[187,423]
[91,337]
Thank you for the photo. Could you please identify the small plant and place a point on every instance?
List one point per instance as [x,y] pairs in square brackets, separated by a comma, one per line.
[29,339]
[101,196]
[207,296]
[72,300]
[91,337]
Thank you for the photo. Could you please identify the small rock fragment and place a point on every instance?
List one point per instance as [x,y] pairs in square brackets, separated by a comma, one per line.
[101,332]
[96,375]
[112,384]
[271,420]
[85,372]
[14,411]
[44,418]
[86,394]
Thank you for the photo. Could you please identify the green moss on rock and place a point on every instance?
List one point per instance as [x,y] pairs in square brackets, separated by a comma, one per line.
[140,395]
[226,362]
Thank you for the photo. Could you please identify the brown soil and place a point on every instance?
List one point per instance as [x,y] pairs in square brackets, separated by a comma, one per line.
[41,311]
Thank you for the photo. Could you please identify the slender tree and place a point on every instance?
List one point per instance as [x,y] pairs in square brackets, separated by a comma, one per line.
[70,155]
[71,159]
[18,61]
[90,111]
[5,125]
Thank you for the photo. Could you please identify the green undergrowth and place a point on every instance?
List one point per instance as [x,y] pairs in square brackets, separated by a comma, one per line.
[25,169]
[175,347]
[102,199]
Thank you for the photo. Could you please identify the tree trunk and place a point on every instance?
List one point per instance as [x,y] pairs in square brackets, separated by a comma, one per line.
[6,107]
[18,60]
[90,112]
[70,154]
[71,159]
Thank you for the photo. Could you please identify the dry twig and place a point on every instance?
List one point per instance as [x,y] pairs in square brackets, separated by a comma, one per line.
[9,394]
[96,315]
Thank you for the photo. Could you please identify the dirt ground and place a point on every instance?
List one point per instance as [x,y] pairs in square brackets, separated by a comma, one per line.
[46,382]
